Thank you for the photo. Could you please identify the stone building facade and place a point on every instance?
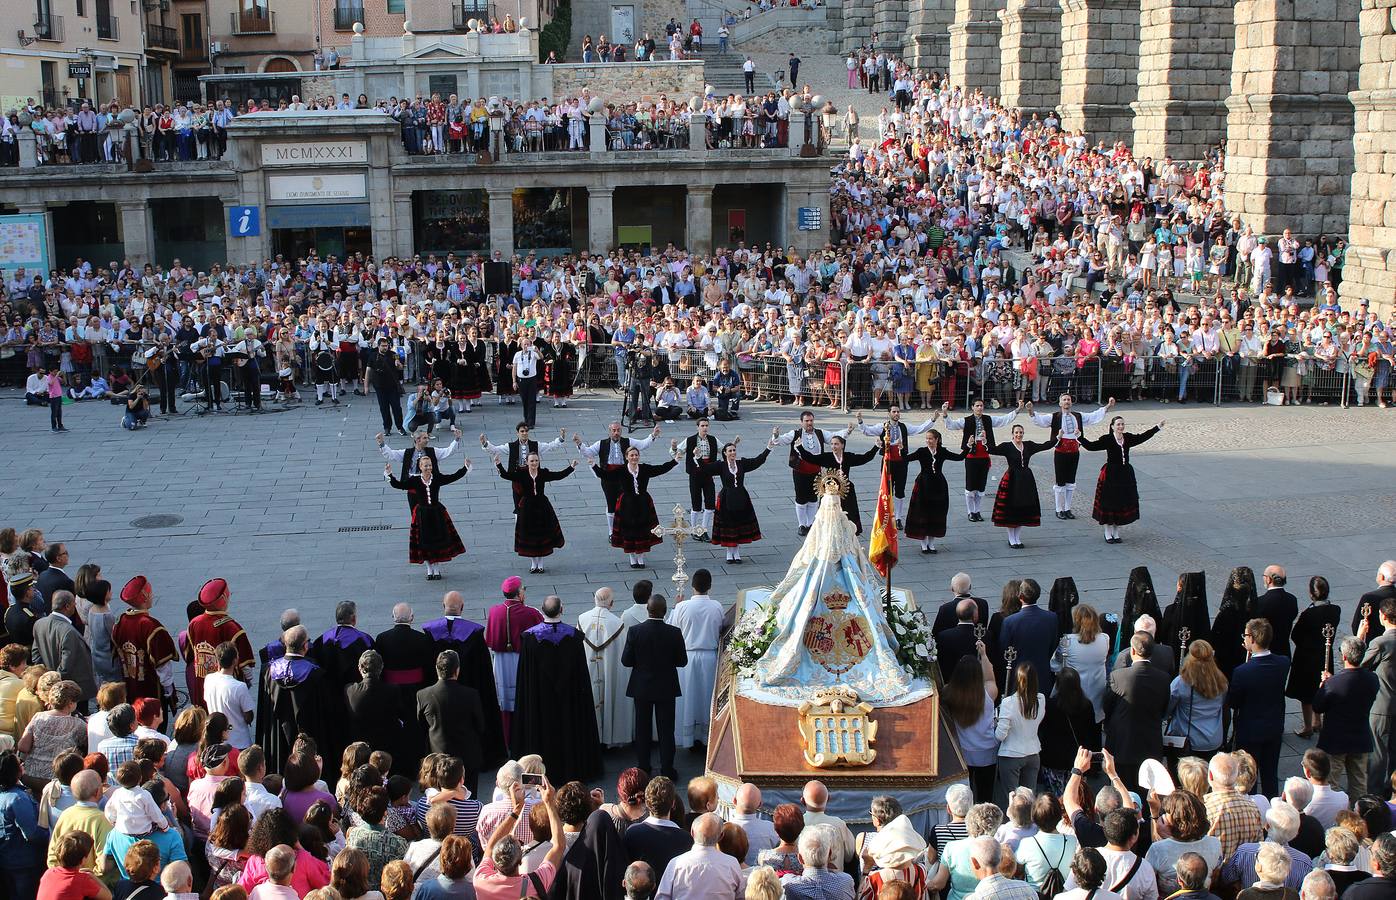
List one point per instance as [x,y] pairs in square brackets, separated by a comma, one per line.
[1031,55]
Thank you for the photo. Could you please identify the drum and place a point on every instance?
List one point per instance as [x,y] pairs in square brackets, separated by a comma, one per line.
[324,361]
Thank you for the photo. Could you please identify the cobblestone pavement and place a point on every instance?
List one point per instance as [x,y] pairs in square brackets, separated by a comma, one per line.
[265,502]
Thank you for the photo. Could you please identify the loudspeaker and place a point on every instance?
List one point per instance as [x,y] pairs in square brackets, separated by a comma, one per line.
[498,278]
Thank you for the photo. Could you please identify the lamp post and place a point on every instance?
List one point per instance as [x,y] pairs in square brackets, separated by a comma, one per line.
[808,107]
[496,117]
[827,117]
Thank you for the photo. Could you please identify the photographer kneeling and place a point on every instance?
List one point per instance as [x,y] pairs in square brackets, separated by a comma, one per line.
[137,410]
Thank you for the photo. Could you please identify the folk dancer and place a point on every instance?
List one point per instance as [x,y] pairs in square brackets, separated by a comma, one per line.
[537,532]
[930,495]
[516,452]
[810,440]
[1015,504]
[346,341]
[839,458]
[632,528]
[898,446]
[470,372]
[421,449]
[322,364]
[977,442]
[736,514]
[1116,490]
[608,454]
[1068,427]
[433,539]
[699,449]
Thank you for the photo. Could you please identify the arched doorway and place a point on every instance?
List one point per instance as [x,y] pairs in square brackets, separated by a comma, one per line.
[280,64]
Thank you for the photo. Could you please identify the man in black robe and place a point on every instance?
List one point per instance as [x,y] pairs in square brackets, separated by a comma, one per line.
[405,652]
[268,655]
[467,638]
[554,713]
[337,651]
[594,867]
[373,706]
[299,695]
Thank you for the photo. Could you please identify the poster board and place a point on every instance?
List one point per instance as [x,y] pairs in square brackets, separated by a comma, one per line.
[24,242]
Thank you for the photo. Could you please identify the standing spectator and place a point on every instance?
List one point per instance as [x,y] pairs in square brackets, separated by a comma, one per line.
[52,732]
[761,834]
[452,717]
[1019,716]
[749,75]
[1246,865]
[1126,874]
[1279,607]
[380,845]
[1134,707]
[84,816]
[1032,631]
[21,839]
[225,692]
[1346,700]
[498,876]
[1048,850]
[968,703]
[1257,696]
[1184,820]
[703,872]
[1234,819]
[658,839]
[60,646]
[1195,701]
[1326,802]
[66,878]
[454,881]
[1381,659]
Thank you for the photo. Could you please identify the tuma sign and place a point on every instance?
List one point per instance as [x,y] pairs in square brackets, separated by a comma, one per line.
[315,153]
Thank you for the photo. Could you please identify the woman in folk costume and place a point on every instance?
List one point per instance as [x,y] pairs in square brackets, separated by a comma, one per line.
[734,516]
[1015,505]
[537,532]
[839,458]
[930,494]
[433,539]
[1140,600]
[560,370]
[505,347]
[1313,653]
[1188,610]
[470,372]
[1116,491]
[1237,607]
[635,518]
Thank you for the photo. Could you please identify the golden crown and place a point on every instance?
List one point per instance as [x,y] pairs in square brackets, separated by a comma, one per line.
[831,481]
[837,600]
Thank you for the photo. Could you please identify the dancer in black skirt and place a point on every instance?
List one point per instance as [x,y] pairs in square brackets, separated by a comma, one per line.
[1313,655]
[1015,505]
[504,349]
[839,458]
[433,539]
[470,371]
[537,532]
[559,369]
[632,530]
[1116,491]
[734,519]
[930,495]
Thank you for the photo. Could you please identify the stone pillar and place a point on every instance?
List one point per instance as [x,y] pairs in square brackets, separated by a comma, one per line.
[1289,124]
[700,218]
[137,237]
[596,133]
[927,43]
[601,219]
[974,45]
[502,221]
[698,133]
[1100,56]
[28,149]
[889,23]
[857,23]
[1185,49]
[1369,269]
[1031,55]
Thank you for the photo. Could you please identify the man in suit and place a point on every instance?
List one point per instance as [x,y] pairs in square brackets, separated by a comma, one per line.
[1257,694]
[1032,632]
[1164,658]
[59,646]
[948,616]
[1381,659]
[54,579]
[654,652]
[658,839]
[451,715]
[1278,607]
[1369,604]
[1134,706]
[1382,884]
[953,644]
[1346,699]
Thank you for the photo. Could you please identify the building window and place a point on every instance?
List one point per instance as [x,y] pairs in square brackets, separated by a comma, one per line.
[82,8]
[397,6]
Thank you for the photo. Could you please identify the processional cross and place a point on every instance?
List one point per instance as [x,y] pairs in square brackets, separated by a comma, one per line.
[679,533]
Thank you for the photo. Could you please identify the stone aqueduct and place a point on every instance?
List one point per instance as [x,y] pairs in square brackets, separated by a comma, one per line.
[1302,94]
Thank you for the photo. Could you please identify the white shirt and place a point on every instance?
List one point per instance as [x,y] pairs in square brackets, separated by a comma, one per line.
[1326,804]
[1017,735]
[97,728]
[526,363]
[703,873]
[700,619]
[760,833]
[1143,886]
[256,798]
[230,696]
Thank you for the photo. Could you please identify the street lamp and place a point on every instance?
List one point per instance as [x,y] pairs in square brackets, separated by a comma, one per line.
[496,126]
[808,106]
[827,116]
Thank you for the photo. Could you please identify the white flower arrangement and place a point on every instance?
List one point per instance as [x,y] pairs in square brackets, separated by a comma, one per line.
[916,648]
[752,637]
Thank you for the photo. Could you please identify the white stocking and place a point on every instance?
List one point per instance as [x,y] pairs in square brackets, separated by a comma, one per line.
[640,558]
[610,521]
[1057,493]
[1069,490]
[979,501]
[319,392]
[927,543]
[334,390]
[799,514]
[1109,532]
[969,502]
[1015,535]
[899,507]
[693,517]
[707,520]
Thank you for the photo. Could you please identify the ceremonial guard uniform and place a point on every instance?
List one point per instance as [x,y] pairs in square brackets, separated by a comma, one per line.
[208,630]
[144,649]
[467,638]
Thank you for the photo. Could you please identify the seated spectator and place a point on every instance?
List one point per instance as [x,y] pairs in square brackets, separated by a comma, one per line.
[1273,872]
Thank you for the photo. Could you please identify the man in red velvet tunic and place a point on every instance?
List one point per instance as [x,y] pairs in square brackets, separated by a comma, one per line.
[209,629]
[503,635]
[144,649]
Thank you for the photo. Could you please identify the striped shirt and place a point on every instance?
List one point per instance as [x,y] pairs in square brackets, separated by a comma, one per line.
[467,818]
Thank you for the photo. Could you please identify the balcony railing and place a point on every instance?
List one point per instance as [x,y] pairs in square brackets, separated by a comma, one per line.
[465,10]
[49,28]
[253,21]
[108,28]
[162,37]
[346,14]
[193,52]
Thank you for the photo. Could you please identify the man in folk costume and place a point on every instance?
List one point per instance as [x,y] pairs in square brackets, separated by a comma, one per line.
[897,447]
[504,628]
[1068,427]
[266,656]
[144,649]
[977,439]
[299,692]
[408,459]
[700,619]
[516,452]
[467,639]
[699,449]
[609,454]
[209,629]
[814,441]
[554,717]
[603,635]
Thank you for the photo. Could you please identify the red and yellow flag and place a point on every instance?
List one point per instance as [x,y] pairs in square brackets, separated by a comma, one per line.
[882,552]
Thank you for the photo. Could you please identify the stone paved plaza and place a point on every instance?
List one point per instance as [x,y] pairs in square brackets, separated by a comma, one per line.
[264,501]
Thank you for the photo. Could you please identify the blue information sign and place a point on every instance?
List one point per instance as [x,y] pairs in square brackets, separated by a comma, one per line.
[811,218]
[244,221]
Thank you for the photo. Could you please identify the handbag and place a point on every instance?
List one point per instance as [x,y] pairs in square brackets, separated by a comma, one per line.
[1180,741]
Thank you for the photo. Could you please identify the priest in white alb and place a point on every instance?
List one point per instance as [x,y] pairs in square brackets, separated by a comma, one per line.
[602,638]
[700,619]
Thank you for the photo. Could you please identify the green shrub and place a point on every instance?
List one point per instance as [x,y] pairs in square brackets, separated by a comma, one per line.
[556,36]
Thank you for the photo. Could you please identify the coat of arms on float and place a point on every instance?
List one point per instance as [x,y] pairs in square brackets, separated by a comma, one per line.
[837,730]
[838,641]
